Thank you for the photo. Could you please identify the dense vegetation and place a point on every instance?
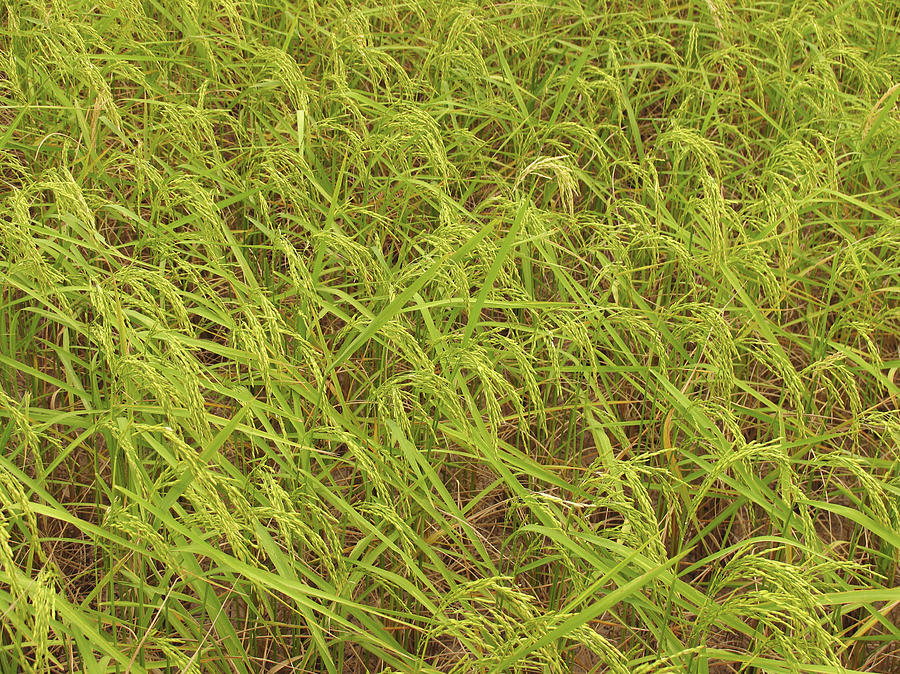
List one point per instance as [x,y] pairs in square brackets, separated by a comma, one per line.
[438,336]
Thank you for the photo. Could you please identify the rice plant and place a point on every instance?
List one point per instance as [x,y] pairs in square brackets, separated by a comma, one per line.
[436,336]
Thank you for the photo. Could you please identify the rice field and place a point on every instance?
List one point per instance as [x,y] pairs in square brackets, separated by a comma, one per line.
[449,336]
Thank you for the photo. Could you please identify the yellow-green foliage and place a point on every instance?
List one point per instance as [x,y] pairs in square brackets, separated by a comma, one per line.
[437,336]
